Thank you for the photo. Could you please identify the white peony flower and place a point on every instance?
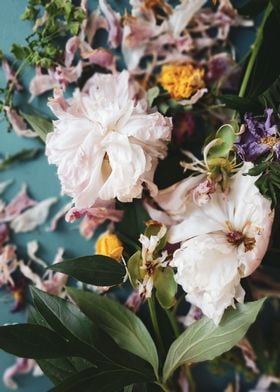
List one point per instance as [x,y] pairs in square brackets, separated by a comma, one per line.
[105,143]
[222,242]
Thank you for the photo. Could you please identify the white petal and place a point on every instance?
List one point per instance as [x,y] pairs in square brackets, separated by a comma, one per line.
[35,216]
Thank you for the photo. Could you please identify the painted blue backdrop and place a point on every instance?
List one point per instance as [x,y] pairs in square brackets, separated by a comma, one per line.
[41,179]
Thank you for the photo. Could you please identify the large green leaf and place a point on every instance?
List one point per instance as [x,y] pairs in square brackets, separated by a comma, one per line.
[68,321]
[41,125]
[59,369]
[101,380]
[121,324]
[204,340]
[85,337]
[97,270]
[33,341]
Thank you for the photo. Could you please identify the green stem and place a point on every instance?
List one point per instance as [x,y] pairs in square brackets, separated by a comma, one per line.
[254,53]
[188,373]
[255,50]
[172,319]
[152,310]
[163,387]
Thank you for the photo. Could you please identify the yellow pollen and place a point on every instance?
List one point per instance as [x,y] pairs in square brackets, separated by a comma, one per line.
[269,140]
[108,244]
[150,4]
[181,80]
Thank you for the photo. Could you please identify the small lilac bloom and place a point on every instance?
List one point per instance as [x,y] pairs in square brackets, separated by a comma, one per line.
[259,138]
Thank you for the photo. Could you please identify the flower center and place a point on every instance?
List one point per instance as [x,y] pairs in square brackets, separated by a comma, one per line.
[236,238]
[269,140]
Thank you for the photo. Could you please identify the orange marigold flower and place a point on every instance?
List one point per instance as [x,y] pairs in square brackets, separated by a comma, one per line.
[108,244]
[181,80]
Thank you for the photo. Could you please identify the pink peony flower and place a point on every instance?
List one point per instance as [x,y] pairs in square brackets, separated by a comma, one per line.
[105,142]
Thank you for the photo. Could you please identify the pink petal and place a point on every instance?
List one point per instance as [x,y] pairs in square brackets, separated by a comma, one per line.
[20,203]
[59,215]
[102,57]
[33,217]
[22,366]
[94,23]
[42,83]
[71,47]
[114,22]
[4,234]
[10,74]
[18,123]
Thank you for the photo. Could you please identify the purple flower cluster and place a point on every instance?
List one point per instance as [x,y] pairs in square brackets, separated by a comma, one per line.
[259,137]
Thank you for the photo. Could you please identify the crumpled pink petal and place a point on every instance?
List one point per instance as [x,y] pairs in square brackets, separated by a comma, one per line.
[59,215]
[94,22]
[102,57]
[32,248]
[8,264]
[71,47]
[249,354]
[42,83]
[66,75]
[114,22]
[4,234]
[17,122]
[10,75]
[20,203]
[94,216]
[33,217]
[21,366]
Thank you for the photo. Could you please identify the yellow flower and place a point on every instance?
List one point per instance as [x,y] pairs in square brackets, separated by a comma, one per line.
[108,244]
[181,80]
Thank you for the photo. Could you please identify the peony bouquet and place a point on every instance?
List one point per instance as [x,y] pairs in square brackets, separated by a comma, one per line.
[168,142]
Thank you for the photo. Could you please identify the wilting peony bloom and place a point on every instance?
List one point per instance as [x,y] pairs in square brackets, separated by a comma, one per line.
[222,241]
[105,143]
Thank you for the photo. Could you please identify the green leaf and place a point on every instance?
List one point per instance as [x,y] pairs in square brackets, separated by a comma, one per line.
[20,156]
[133,266]
[133,223]
[166,287]
[33,341]
[39,124]
[101,380]
[271,96]
[152,94]
[97,270]
[241,104]
[68,321]
[121,324]
[204,340]
[59,369]
[227,137]
[87,342]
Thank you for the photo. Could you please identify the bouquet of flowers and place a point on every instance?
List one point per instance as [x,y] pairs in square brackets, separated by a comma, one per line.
[171,144]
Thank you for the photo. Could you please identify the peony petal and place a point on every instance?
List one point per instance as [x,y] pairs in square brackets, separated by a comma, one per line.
[35,216]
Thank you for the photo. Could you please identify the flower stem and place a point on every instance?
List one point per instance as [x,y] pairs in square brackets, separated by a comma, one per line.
[191,382]
[254,52]
[152,310]
[172,319]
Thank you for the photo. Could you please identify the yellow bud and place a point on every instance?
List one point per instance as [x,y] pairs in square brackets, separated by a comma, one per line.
[108,244]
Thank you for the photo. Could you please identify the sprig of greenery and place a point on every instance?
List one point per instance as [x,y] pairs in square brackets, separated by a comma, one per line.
[52,20]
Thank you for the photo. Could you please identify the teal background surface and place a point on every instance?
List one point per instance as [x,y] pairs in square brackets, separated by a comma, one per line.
[42,181]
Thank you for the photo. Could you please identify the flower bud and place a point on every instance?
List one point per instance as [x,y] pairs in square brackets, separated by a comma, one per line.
[108,244]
